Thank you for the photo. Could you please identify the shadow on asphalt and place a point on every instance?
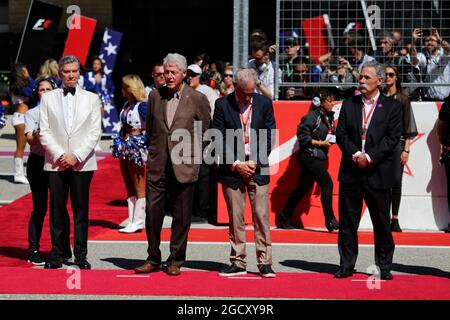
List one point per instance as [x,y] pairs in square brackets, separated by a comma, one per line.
[420,270]
[9,178]
[127,264]
[311,266]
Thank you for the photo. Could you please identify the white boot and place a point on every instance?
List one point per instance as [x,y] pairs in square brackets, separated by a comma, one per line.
[19,177]
[138,217]
[131,202]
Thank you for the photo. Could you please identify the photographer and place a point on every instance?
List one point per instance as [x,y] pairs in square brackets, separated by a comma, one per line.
[315,135]
[300,75]
[434,63]
[444,139]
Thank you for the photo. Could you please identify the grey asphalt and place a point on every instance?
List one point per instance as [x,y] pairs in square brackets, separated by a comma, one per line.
[213,256]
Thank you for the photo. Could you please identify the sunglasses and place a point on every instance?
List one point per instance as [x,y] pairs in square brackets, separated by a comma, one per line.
[228,75]
[390,74]
[159,74]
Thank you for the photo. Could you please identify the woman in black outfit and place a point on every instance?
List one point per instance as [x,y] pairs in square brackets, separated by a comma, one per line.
[316,135]
[393,88]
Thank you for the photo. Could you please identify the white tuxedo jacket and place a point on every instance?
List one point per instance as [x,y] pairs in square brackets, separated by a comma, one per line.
[81,140]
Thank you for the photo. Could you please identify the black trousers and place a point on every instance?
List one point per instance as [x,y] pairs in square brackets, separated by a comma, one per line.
[202,198]
[447,171]
[351,198]
[38,180]
[180,195]
[312,169]
[61,184]
[396,191]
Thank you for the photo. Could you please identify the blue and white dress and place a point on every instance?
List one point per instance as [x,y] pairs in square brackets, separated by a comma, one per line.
[105,89]
[132,147]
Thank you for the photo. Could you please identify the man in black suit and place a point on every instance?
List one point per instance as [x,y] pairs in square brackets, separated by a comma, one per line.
[369,129]
[249,118]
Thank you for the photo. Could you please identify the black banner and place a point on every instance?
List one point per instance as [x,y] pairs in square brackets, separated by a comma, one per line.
[39,34]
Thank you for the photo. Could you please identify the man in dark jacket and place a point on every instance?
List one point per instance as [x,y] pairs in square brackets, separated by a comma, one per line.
[246,169]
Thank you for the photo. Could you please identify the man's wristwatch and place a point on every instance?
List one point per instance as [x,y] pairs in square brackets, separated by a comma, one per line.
[258,83]
[404,150]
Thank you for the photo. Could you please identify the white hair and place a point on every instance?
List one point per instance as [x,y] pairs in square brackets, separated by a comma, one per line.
[245,76]
[177,59]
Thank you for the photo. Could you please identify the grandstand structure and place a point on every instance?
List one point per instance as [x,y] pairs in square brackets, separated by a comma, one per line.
[322,29]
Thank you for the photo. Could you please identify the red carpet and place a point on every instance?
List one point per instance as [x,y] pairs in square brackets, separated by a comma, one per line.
[107,209]
[192,283]
[286,236]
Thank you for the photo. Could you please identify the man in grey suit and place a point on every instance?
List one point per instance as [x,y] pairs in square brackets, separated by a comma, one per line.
[70,129]
[173,161]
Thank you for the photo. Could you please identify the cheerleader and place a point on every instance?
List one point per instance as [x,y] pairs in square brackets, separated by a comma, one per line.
[131,147]
[98,82]
[21,96]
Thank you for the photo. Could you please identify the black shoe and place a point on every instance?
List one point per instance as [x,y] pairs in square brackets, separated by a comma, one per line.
[448,229]
[266,271]
[83,264]
[332,224]
[342,273]
[282,222]
[36,259]
[395,227]
[386,275]
[52,265]
[197,219]
[232,270]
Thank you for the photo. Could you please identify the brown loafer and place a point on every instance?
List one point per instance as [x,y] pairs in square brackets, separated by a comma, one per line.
[147,267]
[173,270]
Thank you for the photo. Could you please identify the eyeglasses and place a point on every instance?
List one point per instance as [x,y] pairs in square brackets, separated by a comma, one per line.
[390,74]
[159,74]
[228,75]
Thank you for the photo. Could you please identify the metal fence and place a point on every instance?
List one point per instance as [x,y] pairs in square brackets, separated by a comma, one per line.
[324,43]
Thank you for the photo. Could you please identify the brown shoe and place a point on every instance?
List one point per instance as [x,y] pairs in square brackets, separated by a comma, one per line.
[173,270]
[147,267]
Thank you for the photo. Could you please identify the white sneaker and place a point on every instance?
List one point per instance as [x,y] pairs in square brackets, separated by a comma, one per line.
[20,179]
[131,228]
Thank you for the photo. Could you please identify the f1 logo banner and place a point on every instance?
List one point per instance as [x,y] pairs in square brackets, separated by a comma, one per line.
[38,37]
[79,39]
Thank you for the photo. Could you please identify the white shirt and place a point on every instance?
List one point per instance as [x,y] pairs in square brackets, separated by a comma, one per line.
[210,94]
[437,70]
[267,76]
[246,113]
[368,105]
[69,109]
[31,125]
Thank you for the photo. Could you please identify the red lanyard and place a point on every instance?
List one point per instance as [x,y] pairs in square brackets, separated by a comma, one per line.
[367,118]
[244,124]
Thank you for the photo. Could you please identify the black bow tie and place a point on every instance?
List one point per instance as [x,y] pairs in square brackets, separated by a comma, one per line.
[70,90]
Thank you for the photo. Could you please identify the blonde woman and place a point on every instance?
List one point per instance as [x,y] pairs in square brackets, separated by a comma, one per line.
[227,80]
[131,147]
[49,70]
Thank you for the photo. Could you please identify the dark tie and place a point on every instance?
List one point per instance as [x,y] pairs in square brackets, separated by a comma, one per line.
[70,90]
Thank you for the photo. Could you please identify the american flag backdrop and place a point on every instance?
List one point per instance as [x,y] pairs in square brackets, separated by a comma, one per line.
[108,53]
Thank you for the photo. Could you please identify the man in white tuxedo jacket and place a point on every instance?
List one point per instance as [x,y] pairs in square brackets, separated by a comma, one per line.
[70,129]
